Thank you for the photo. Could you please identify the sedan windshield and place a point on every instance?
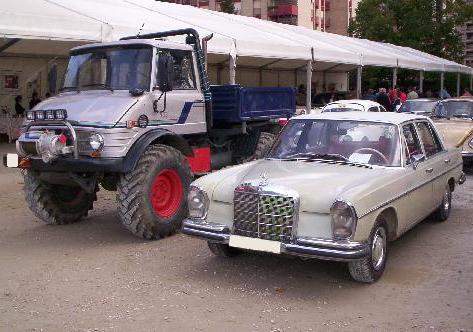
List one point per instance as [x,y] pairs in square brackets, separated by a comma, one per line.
[345,141]
[454,109]
[418,106]
[115,68]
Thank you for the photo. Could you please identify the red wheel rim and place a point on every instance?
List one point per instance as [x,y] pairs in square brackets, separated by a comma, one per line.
[166,193]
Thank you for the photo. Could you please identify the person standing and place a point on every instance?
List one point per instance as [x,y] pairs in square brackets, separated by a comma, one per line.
[466,93]
[413,93]
[402,95]
[34,100]
[383,99]
[19,109]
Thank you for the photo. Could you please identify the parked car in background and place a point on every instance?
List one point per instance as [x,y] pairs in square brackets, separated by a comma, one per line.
[357,105]
[323,194]
[421,106]
[454,119]
[319,100]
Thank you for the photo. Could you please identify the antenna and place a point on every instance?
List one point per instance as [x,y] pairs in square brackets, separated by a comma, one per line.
[141,29]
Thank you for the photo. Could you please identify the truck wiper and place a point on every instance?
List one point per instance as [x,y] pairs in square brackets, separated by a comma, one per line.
[102,85]
[314,156]
[69,88]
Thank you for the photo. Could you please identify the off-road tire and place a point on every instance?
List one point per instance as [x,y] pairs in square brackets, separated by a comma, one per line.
[265,142]
[48,203]
[134,193]
[363,270]
[223,250]
[443,211]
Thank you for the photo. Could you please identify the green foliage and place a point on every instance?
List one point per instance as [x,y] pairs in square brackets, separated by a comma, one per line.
[227,6]
[427,25]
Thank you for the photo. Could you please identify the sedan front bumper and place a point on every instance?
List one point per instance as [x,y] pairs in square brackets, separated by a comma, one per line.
[302,246]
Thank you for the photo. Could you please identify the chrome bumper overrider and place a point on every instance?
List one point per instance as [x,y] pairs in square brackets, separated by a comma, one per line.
[462,178]
[302,246]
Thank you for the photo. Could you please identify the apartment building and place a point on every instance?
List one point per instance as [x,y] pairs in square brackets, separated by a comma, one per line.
[324,15]
[467,34]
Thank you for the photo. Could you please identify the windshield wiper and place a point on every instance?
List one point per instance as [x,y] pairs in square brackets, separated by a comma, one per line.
[69,88]
[315,156]
[103,85]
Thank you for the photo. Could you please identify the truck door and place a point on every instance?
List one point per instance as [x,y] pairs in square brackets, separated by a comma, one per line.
[185,103]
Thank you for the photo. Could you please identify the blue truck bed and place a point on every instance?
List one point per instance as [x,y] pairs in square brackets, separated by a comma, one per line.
[234,103]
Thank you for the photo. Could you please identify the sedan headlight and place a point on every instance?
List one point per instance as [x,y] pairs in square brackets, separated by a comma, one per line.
[198,203]
[343,220]
[96,142]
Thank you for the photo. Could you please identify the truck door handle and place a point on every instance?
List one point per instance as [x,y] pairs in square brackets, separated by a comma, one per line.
[429,170]
[446,161]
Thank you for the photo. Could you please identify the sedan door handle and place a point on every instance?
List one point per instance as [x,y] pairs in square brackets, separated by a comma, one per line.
[446,161]
[429,170]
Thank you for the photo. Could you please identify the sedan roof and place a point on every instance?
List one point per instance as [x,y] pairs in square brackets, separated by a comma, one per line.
[385,117]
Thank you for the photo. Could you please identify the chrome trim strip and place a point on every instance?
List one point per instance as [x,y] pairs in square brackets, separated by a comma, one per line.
[407,192]
[315,242]
[467,154]
[204,225]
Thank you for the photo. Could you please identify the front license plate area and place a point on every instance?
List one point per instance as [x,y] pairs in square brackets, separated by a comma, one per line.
[255,244]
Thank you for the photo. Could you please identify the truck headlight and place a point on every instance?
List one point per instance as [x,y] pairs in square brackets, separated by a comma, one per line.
[343,220]
[30,115]
[96,142]
[198,203]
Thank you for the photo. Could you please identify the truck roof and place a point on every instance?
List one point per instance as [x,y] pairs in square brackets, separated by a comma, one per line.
[159,43]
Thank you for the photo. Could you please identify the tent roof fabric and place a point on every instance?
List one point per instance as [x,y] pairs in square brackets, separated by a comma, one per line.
[255,42]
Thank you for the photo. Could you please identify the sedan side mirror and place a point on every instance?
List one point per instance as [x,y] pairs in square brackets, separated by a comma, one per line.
[416,160]
[165,73]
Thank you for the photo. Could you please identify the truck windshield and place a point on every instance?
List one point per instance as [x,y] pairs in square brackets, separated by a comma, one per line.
[115,68]
[345,141]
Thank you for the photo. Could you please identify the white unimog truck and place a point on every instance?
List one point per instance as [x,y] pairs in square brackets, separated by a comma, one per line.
[138,116]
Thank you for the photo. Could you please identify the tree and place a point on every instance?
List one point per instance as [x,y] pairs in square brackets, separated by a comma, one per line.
[427,25]
[227,6]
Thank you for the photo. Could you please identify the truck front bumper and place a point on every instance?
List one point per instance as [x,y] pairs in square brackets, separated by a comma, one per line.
[301,246]
[69,164]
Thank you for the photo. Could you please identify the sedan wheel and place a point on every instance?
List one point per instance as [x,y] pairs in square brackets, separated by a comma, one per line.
[443,212]
[371,268]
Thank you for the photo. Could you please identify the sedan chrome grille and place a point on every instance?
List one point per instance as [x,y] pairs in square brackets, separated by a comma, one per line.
[264,214]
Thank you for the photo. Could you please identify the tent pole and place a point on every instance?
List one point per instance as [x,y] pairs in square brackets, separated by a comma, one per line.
[421,81]
[308,94]
[442,78]
[458,84]
[358,81]
[471,82]
[394,77]
[231,70]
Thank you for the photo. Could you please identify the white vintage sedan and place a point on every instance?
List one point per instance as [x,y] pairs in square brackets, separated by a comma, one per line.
[330,189]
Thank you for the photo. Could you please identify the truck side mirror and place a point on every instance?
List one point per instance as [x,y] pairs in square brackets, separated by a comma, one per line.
[165,73]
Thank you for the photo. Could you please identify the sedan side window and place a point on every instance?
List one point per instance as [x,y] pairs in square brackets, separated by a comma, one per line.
[412,147]
[429,138]
[373,109]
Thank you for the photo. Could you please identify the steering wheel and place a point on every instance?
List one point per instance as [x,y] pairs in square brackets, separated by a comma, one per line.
[382,156]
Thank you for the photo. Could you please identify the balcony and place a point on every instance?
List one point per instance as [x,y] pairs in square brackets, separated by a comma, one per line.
[283,10]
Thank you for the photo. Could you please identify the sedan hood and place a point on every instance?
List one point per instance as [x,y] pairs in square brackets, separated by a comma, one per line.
[453,130]
[318,183]
[104,107]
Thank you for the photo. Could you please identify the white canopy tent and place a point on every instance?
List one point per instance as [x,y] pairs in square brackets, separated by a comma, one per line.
[237,40]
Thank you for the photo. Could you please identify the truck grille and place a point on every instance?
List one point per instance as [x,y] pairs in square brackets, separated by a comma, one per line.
[263,215]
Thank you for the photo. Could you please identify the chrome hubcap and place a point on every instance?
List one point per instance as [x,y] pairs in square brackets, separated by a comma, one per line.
[378,248]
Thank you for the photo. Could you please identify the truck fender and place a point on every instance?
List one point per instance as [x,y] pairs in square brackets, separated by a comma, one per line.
[160,136]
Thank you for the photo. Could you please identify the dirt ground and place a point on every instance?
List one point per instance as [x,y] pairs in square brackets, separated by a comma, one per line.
[95,276]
